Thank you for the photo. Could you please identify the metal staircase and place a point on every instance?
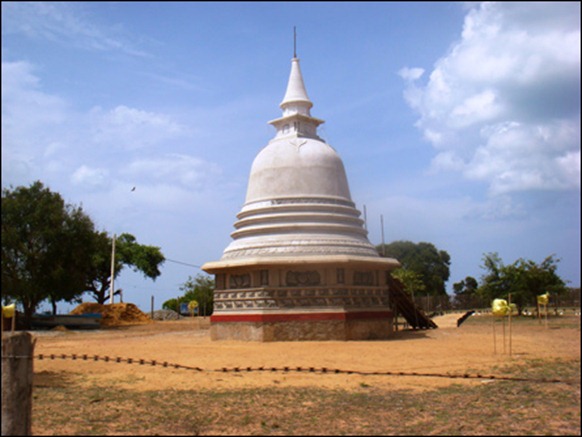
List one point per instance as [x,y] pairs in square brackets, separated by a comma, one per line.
[405,306]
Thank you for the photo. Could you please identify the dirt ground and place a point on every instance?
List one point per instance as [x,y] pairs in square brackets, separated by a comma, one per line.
[447,350]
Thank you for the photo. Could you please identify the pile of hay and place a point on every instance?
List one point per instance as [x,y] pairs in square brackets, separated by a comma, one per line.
[115,314]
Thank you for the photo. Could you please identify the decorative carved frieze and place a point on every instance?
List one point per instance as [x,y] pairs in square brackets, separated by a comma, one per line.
[337,246]
[240,281]
[311,200]
[264,280]
[253,299]
[364,278]
[220,281]
[294,279]
[341,276]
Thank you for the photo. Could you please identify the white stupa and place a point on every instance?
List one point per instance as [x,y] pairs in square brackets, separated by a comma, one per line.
[300,266]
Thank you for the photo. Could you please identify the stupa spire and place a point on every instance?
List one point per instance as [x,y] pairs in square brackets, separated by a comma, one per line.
[294,42]
[296,105]
[296,92]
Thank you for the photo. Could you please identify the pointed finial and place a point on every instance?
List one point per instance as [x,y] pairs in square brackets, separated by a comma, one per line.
[294,42]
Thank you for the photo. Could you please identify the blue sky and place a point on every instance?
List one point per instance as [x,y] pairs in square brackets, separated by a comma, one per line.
[458,123]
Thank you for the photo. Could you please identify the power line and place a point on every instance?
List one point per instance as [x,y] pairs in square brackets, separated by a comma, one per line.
[141,287]
[180,262]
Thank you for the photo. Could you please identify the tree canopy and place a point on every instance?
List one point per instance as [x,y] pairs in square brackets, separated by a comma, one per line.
[52,252]
[465,292]
[46,247]
[128,253]
[411,281]
[524,279]
[200,289]
[430,264]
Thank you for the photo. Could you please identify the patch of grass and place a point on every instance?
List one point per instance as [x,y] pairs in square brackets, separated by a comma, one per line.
[62,406]
[553,322]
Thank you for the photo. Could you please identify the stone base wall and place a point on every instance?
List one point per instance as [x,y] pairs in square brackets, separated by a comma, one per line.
[303,330]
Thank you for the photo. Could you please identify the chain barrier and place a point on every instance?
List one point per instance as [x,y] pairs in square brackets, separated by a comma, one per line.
[288,369]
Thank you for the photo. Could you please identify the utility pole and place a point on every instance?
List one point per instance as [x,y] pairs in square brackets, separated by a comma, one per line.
[382,225]
[112,280]
[111,283]
[365,219]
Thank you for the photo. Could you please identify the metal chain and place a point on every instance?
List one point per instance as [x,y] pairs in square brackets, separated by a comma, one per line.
[287,369]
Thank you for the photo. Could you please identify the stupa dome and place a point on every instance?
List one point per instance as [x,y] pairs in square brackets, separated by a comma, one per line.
[298,203]
[295,166]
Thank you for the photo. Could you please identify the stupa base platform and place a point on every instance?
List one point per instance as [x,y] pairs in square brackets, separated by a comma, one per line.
[306,326]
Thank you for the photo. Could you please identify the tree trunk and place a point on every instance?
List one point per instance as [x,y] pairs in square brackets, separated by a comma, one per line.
[29,309]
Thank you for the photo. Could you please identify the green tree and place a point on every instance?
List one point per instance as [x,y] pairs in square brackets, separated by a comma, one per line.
[46,247]
[200,289]
[128,252]
[524,279]
[411,281]
[99,273]
[431,264]
[465,292]
[172,304]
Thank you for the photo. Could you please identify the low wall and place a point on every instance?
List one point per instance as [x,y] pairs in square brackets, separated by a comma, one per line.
[302,327]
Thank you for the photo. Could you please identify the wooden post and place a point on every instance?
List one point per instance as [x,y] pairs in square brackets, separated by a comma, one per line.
[509,305]
[494,339]
[504,349]
[112,280]
[17,358]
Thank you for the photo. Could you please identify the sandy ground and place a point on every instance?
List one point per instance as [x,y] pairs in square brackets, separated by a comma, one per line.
[446,350]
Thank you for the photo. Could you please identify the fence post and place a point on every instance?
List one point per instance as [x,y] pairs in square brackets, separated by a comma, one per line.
[17,357]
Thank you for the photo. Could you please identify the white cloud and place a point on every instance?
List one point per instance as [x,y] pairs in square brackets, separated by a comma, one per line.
[92,177]
[503,106]
[95,157]
[188,171]
[21,92]
[65,23]
[30,120]
[132,128]
[479,107]
[451,219]
[411,73]
[447,161]
[44,137]
[522,157]
[569,166]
